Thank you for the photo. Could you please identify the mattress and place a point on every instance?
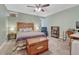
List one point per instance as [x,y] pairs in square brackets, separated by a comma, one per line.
[26,35]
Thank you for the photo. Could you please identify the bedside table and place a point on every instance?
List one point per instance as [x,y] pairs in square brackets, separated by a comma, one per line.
[11,36]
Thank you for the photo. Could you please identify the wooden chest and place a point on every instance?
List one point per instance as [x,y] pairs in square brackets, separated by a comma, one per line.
[37,45]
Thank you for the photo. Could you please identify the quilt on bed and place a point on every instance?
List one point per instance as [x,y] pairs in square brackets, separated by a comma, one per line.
[26,35]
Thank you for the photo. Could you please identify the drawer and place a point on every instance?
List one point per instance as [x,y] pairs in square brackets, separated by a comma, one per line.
[39,47]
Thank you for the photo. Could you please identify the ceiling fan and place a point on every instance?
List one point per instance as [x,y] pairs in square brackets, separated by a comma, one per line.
[39,7]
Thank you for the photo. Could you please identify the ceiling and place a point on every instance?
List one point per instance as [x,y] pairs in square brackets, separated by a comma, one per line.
[52,9]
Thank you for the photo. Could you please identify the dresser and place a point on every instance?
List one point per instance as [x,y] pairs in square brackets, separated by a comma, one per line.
[37,45]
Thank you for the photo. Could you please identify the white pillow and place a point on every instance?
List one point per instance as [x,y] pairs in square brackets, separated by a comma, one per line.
[26,30]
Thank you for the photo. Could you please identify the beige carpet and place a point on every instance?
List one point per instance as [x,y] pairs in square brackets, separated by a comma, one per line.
[56,47]
[8,48]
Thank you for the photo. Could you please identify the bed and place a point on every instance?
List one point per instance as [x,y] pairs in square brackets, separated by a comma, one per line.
[34,42]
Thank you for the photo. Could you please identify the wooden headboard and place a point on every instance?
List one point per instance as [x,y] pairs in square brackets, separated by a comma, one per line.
[23,25]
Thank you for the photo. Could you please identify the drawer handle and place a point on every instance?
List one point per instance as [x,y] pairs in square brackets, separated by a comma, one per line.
[40,47]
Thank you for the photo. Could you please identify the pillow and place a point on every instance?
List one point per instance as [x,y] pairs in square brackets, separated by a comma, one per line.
[26,30]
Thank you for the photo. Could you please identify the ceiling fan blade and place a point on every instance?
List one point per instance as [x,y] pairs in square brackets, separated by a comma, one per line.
[31,6]
[45,5]
[42,10]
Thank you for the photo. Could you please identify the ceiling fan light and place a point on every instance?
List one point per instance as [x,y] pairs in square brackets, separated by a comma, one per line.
[38,9]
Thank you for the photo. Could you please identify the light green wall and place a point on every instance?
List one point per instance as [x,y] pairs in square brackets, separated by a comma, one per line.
[12,21]
[65,19]
[3,19]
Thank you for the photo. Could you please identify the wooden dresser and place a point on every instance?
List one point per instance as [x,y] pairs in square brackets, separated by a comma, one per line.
[37,45]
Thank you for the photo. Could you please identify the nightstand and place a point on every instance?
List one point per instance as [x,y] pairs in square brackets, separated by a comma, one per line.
[11,36]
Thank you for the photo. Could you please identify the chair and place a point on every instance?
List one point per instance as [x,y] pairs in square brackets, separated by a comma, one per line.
[44,30]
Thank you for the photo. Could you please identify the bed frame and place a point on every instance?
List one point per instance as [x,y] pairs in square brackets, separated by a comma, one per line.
[22,25]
